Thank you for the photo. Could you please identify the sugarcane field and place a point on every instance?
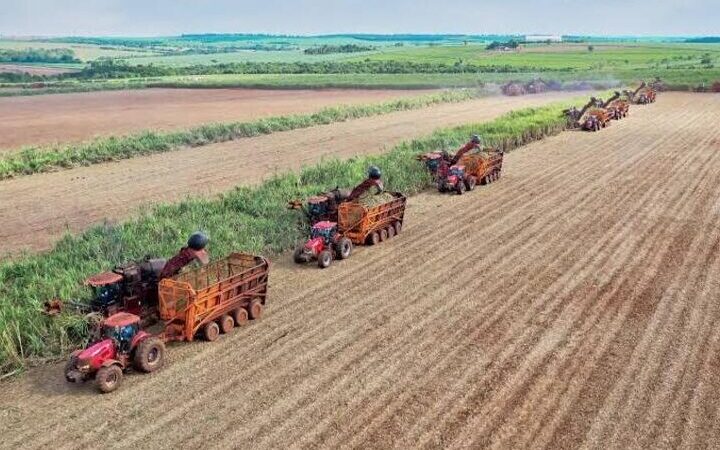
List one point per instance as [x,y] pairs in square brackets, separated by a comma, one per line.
[334,225]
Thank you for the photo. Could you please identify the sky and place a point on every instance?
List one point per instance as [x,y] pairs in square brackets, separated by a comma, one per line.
[173,17]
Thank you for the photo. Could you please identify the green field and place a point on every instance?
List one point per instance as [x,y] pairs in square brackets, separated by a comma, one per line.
[83,52]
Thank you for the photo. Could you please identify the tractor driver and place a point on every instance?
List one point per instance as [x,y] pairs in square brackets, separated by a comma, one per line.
[194,251]
[475,142]
[373,180]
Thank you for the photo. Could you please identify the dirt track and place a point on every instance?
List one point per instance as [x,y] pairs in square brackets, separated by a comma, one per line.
[46,119]
[39,208]
[571,304]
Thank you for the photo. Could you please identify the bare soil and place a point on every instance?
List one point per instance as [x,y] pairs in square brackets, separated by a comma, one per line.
[572,304]
[40,208]
[47,119]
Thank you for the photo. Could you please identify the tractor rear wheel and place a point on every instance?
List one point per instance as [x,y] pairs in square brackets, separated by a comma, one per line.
[211,331]
[344,248]
[107,379]
[398,227]
[226,323]
[383,235]
[149,355]
[255,309]
[241,316]
[325,259]
[470,183]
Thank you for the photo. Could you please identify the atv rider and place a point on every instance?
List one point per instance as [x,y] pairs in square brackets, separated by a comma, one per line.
[373,180]
[194,251]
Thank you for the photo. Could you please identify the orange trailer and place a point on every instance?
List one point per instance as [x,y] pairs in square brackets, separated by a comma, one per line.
[485,166]
[214,298]
[364,224]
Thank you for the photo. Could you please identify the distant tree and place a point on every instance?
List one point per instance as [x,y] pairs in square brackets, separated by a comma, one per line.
[706,60]
[591,48]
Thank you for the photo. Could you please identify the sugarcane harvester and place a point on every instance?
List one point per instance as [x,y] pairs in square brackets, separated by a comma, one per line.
[132,287]
[591,117]
[616,107]
[470,166]
[642,95]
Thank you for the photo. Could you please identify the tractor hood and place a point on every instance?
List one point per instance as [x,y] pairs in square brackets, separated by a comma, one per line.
[315,245]
[95,355]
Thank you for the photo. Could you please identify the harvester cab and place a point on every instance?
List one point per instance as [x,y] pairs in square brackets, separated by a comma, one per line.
[122,343]
[325,243]
[321,207]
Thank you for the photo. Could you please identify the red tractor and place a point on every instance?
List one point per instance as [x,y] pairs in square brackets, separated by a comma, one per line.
[122,344]
[325,244]
[454,179]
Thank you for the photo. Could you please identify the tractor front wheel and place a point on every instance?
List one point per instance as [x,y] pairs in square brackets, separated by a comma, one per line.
[460,187]
[149,355]
[324,259]
[108,378]
[344,248]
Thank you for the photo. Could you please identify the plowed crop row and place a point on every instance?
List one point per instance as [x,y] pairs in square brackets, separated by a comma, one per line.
[571,304]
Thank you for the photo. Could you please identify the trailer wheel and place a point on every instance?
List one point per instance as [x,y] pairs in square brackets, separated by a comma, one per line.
[391,232]
[226,323]
[241,316]
[325,259]
[211,331]
[149,355]
[398,227]
[374,238]
[383,235]
[343,248]
[255,309]
[107,379]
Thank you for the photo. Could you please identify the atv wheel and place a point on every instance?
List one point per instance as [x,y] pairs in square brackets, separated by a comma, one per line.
[241,316]
[108,378]
[211,331]
[324,259]
[149,355]
[344,248]
[226,323]
[470,183]
[255,309]
[300,257]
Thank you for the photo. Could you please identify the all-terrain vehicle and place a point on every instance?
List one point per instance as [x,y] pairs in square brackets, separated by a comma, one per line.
[325,244]
[122,345]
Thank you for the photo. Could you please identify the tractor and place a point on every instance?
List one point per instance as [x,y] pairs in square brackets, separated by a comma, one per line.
[325,244]
[454,179]
[616,108]
[122,344]
[597,116]
[642,95]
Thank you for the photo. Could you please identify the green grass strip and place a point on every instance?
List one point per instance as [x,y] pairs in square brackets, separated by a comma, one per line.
[253,219]
[45,159]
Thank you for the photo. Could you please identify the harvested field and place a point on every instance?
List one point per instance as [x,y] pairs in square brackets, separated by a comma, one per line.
[587,317]
[34,70]
[41,207]
[47,119]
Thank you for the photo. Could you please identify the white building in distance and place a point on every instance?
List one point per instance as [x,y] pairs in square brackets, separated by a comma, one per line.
[543,38]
